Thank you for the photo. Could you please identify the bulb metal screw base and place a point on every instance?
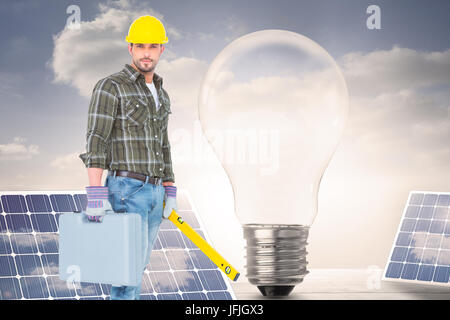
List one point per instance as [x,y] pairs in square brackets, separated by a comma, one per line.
[276,257]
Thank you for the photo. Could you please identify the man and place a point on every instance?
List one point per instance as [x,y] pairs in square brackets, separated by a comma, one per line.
[127,135]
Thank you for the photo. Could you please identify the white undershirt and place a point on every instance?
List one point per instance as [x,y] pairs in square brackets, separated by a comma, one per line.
[152,88]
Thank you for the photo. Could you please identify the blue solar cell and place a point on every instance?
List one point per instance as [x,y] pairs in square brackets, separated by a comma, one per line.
[47,242]
[29,265]
[434,241]
[443,200]
[188,281]
[410,271]
[167,225]
[440,213]
[394,270]
[169,296]
[106,288]
[437,226]
[430,199]
[5,245]
[44,222]
[404,239]
[425,273]
[426,212]
[163,282]
[201,261]
[212,280]
[171,239]
[416,198]
[412,211]
[157,245]
[219,295]
[88,289]
[57,219]
[23,243]
[34,288]
[399,254]
[445,244]
[38,203]
[91,298]
[7,267]
[418,240]
[80,202]
[10,289]
[414,255]
[444,258]
[3,228]
[19,223]
[429,256]
[441,274]
[422,225]
[59,288]
[14,204]
[146,287]
[408,225]
[50,262]
[189,243]
[158,261]
[179,260]
[194,296]
[447,228]
[62,203]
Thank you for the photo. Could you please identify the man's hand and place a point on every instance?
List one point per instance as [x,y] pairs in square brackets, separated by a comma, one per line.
[98,203]
[170,201]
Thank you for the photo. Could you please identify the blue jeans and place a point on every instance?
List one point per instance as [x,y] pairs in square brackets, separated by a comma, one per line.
[146,199]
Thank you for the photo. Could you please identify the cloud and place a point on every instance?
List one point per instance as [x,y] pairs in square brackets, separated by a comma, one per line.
[17,150]
[399,111]
[83,56]
[67,162]
[183,77]
[387,71]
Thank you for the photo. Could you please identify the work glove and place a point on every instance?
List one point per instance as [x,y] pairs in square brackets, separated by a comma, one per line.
[97,203]
[170,201]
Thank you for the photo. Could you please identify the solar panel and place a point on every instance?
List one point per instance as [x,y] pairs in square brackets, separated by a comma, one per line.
[421,250]
[29,253]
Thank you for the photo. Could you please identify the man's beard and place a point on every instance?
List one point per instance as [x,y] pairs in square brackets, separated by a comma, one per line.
[138,65]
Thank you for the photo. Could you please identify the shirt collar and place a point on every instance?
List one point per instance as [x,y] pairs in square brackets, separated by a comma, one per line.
[133,74]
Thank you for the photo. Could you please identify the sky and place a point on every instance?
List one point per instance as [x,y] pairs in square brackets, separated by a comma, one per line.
[395,140]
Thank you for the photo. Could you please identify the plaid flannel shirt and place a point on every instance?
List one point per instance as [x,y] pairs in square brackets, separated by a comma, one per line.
[124,129]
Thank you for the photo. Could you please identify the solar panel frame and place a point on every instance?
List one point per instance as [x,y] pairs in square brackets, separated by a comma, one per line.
[39,241]
[402,259]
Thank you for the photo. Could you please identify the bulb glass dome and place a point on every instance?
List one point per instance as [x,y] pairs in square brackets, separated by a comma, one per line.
[273,105]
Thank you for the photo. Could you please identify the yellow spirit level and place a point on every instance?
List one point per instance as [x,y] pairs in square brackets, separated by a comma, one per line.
[204,246]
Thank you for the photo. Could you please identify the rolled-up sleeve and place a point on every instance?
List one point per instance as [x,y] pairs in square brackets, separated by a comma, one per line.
[101,114]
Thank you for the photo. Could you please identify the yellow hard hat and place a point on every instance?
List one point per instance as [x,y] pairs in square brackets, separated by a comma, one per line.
[147,29]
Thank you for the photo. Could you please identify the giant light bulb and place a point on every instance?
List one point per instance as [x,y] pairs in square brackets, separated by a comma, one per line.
[273,106]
